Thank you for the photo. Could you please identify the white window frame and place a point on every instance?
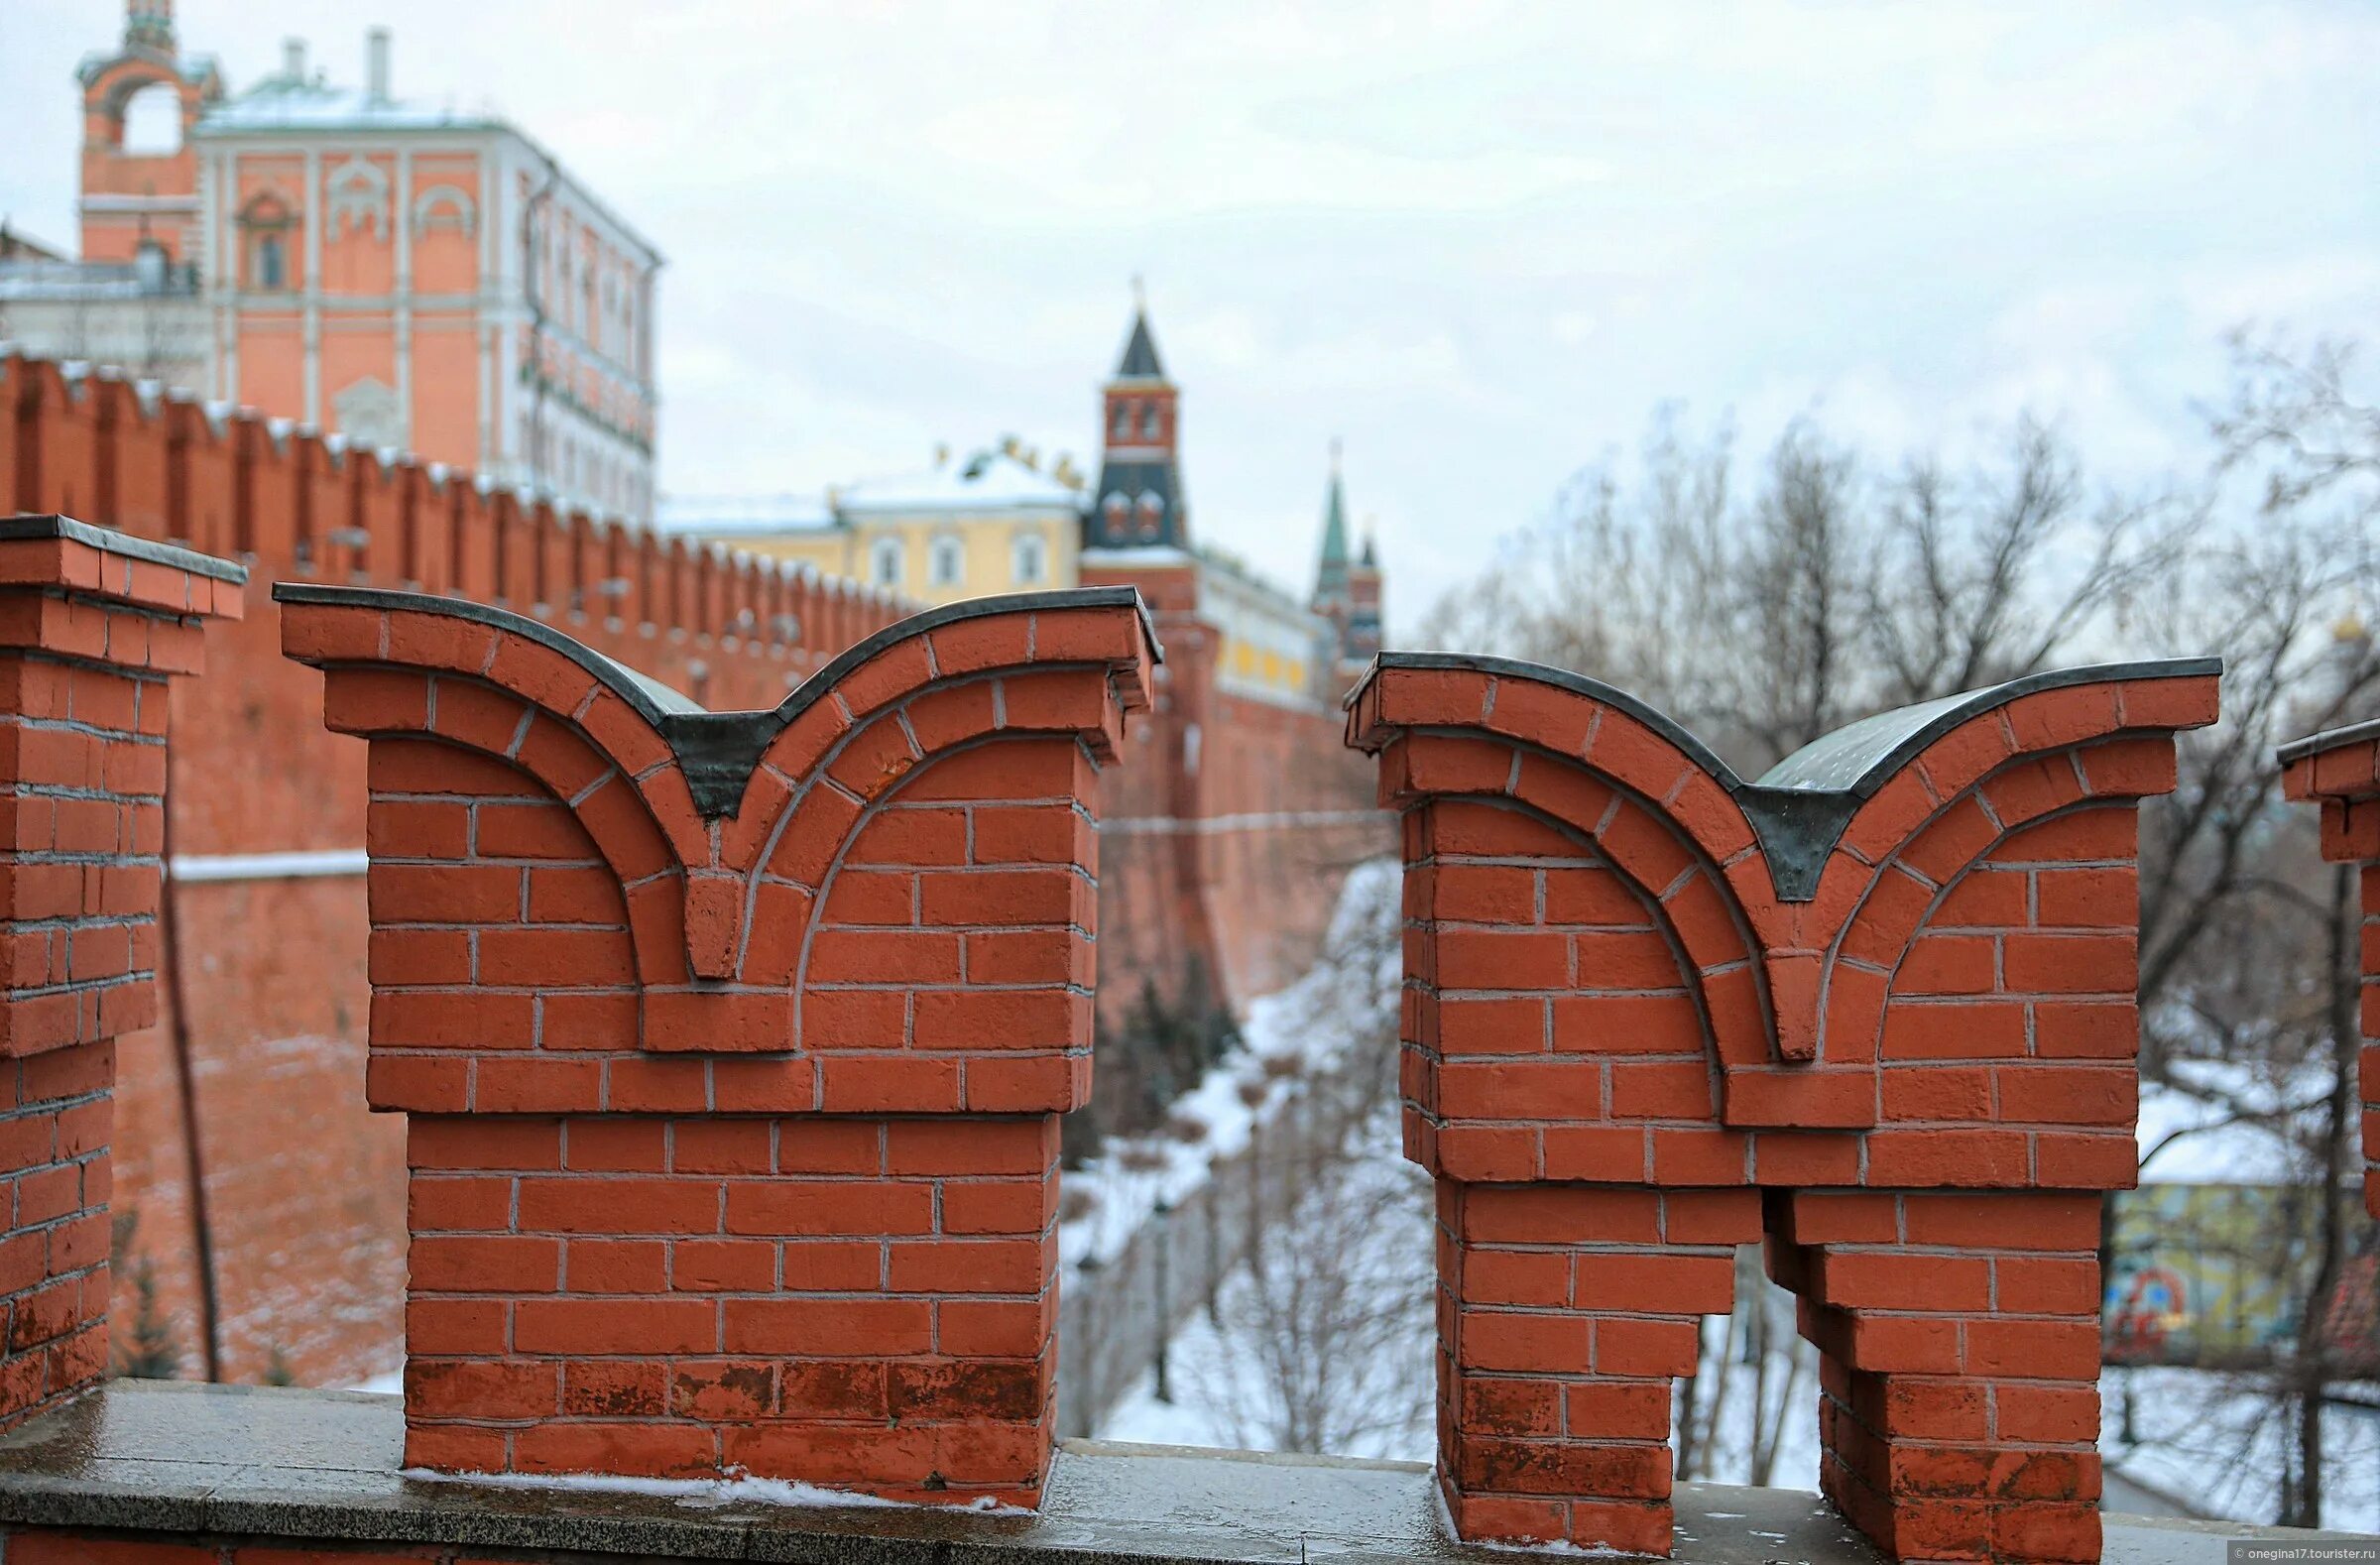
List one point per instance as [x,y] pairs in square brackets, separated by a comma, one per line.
[887,560]
[946,560]
[1028,560]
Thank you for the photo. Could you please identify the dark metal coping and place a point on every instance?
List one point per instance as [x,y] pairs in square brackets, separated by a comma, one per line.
[2327,739]
[30,526]
[1800,807]
[717,751]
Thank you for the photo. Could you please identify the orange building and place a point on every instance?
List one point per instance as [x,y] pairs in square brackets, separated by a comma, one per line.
[395,272]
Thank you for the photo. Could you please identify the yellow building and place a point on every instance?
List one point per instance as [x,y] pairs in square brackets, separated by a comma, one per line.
[966,528]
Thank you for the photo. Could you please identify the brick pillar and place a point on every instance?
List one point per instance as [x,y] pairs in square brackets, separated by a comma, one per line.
[92,623]
[2340,770]
[1879,1003]
[733,1044]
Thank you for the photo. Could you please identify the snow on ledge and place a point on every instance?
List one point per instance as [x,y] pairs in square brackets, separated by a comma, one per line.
[706,1494]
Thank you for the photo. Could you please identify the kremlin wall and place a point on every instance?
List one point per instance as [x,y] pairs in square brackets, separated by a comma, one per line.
[1231,821]
[353,418]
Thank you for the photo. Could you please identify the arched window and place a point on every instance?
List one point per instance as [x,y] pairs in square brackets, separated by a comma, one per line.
[1115,506]
[1153,508]
[445,206]
[152,121]
[1124,421]
[1028,562]
[1149,422]
[946,564]
[266,224]
[885,563]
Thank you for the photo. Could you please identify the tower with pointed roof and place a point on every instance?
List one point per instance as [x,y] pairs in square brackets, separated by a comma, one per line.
[1347,589]
[1139,502]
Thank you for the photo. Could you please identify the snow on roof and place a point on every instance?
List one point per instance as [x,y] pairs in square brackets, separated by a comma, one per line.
[741,516]
[284,103]
[989,481]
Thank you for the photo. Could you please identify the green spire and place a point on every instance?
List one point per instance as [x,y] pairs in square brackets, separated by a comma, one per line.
[1331,581]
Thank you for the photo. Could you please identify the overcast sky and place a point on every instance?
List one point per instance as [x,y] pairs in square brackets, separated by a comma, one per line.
[1479,242]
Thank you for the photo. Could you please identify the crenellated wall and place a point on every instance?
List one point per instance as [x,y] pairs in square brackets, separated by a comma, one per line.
[306,1214]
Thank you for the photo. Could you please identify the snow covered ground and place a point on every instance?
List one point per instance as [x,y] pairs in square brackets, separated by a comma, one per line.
[2214,1440]
[2201,1439]
[1297,1032]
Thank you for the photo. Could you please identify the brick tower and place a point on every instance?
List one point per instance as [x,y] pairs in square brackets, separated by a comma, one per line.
[1139,502]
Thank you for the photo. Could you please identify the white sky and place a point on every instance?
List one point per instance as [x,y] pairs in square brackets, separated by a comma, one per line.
[1479,241]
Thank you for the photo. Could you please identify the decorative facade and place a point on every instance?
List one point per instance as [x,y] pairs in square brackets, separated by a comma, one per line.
[389,271]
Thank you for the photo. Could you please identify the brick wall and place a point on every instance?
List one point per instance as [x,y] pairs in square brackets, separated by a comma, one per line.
[1879,1011]
[731,1047]
[2339,771]
[1221,855]
[307,1190]
[90,632]
[1232,831]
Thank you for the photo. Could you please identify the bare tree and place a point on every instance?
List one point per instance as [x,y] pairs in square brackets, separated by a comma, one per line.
[1765,616]
[2249,956]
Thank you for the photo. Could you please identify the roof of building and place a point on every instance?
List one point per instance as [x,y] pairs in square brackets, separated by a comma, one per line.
[741,516]
[293,102]
[190,67]
[283,103]
[1139,361]
[989,481]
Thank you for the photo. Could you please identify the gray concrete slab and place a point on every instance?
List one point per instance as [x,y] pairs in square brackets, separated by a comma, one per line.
[259,1461]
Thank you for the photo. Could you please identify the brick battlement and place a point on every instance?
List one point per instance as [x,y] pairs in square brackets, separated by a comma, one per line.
[292,502]
[91,628]
[1876,1009]
[733,1044]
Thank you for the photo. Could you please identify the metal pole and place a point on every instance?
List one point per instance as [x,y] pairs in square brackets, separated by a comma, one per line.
[1163,1236]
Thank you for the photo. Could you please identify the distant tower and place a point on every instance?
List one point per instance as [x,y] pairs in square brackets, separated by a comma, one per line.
[149,24]
[1347,591]
[1139,502]
[147,195]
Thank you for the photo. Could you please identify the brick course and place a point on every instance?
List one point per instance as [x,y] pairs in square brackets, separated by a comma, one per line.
[1645,1023]
[90,632]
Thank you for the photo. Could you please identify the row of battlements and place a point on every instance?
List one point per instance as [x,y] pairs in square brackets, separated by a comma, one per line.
[732,1049]
[293,501]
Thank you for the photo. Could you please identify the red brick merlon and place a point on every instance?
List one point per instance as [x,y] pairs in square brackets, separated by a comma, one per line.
[733,1043]
[1878,1007]
[2340,770]
[93,623]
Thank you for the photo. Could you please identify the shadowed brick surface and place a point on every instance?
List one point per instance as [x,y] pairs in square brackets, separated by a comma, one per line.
[2340,770]
[90,630]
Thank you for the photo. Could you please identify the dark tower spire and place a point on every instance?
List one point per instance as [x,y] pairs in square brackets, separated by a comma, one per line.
[1139,503]
[1330,580]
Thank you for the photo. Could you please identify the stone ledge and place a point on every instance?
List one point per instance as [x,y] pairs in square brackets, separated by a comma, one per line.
[303,1467]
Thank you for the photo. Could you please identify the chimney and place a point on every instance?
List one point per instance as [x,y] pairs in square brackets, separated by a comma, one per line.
[376,63]
[293,59]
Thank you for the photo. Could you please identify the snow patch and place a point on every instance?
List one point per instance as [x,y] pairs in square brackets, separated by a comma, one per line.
[707,1493]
